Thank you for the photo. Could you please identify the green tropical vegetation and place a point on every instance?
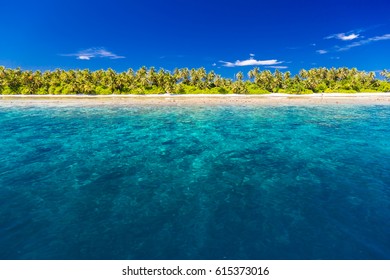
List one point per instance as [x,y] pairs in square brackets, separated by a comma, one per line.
[186,81]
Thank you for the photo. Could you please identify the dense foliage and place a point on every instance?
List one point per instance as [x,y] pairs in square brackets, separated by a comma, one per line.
[149,81]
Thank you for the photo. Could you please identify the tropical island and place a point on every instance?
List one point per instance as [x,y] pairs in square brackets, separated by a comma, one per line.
[189,81]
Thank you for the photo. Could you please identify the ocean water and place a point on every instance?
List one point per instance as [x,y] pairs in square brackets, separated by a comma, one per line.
[220,182]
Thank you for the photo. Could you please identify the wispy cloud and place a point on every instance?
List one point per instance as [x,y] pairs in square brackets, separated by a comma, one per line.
[90,53]
[278,67]
[352,34]
[344,36]
[321,51]
[364,42]
[250,62]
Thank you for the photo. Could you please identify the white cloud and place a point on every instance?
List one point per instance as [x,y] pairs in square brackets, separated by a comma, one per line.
[364,42]
[277,67]
[380,38]
[344,36]
[214,64]
[94,53]
[84,57]
[348,37]
[251,54]
[251,62]
[321,51]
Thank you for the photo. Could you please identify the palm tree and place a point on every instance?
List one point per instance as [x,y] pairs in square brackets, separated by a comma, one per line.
[253,74]
[201,75]
[141,78]
[239,76]
[185,76]
[210,79]
[152,76]
[2,78]
[16,81]
[278,81]
[386,74]
[286,80]
[238,86]
[169,82]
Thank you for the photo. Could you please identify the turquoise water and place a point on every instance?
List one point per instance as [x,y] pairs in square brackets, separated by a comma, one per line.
[225,182]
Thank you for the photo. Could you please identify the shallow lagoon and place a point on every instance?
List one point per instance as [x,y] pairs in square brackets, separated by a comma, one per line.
[221,182]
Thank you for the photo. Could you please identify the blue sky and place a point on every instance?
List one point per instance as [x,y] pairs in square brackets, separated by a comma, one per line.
[225,36]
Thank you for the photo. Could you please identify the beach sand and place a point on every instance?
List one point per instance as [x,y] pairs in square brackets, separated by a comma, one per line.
[195,99]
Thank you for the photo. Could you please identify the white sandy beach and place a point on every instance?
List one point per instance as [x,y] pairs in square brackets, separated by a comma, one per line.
[195,99]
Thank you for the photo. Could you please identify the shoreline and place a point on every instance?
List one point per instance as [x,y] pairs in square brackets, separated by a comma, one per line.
[273,99]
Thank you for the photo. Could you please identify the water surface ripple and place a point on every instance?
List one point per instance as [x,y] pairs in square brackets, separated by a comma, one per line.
[221,182]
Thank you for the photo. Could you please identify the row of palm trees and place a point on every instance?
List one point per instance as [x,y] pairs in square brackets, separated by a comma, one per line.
[148,81]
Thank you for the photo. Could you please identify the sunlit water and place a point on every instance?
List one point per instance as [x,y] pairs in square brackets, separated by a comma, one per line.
[225,182]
